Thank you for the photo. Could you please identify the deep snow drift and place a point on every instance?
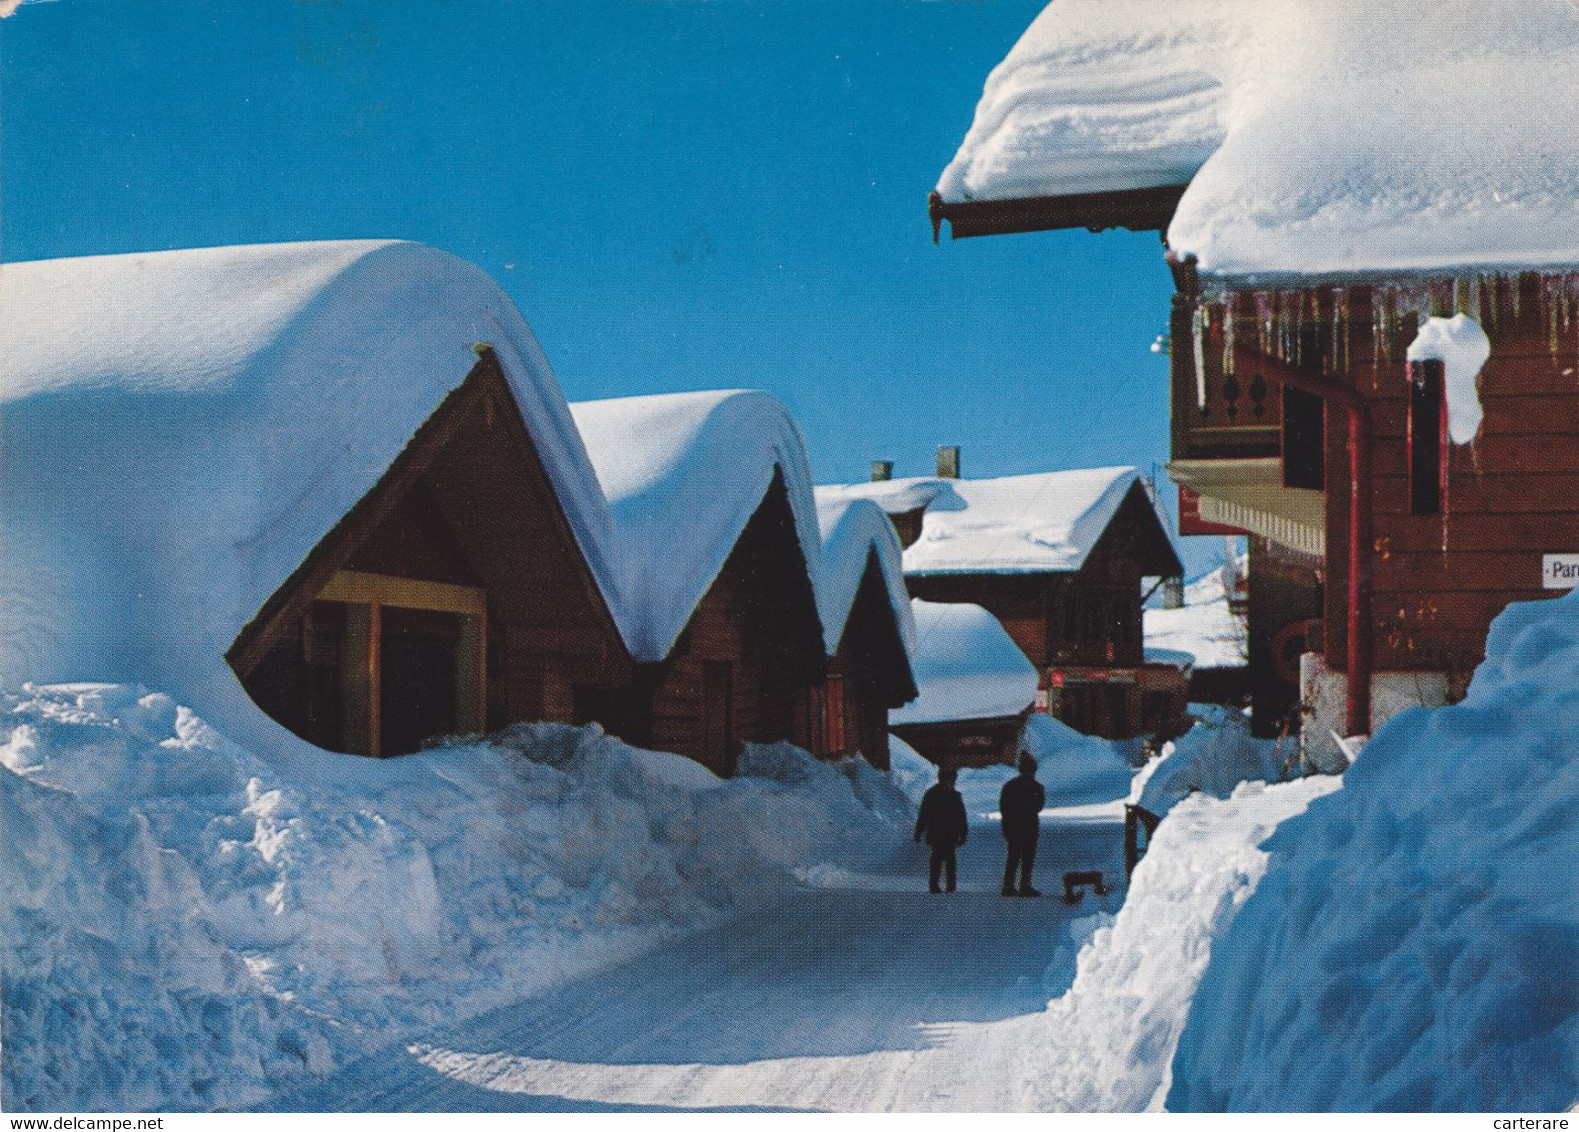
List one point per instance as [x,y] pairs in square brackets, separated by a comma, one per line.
[1416,945]
[185,926]
[1213,757]
[1314,138]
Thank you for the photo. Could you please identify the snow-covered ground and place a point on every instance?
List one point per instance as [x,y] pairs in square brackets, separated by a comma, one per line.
[869,994]
[555,920]
[1204,627]
[186,925]
[1417,943]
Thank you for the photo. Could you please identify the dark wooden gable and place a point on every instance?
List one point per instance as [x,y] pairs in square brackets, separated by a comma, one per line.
[871,646]
[1134,543]
[467,505]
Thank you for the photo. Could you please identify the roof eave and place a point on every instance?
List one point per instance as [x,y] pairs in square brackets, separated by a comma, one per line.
[1139,210]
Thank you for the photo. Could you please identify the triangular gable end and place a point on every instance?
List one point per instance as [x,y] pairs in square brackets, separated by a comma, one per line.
[451,598]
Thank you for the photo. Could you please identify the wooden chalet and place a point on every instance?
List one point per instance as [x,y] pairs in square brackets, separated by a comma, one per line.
[712,503]
[1380,549]
[1059,559]
[976,688]
[452,598]
[869,631]
[324,498]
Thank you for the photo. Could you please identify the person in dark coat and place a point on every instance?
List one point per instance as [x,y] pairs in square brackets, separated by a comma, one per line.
[942,819]
[1020,802]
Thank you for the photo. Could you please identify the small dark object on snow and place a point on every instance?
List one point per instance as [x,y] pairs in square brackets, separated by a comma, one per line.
[1078,880]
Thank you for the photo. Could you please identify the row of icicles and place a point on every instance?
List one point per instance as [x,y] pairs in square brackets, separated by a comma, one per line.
[1279,318]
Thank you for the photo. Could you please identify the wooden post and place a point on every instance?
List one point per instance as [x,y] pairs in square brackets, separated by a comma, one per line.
[361,679]
[471,680]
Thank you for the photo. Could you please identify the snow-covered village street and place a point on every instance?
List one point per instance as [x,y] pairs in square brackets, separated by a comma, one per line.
[780,556]
[863,992]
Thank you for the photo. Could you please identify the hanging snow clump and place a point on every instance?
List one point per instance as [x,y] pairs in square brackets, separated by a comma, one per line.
[1462,347]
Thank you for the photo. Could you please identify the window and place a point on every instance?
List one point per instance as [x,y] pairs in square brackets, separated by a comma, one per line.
[1304,439]
[1427,439]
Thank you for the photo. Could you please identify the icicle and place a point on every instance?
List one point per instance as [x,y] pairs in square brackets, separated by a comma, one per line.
[1199,324]
[1228,334]
[1263,322]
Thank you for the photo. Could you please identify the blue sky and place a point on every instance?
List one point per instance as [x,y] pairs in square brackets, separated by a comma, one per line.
[679,195]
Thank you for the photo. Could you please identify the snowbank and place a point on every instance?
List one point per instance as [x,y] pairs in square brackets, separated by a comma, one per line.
[1076,769]
[185,926]
[1204,627]
[1048,521]
[181,428]
[1416,944]
[853,530]
[1314,138]
[966,666]
[1213,757]
[1114,1032]
[684,473]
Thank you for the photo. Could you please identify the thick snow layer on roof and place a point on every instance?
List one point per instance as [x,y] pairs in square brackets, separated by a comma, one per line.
[179,430]
[894,496]
[1045,522]
[852,531]
[1099,95]
[1316,139]
[684,473]
[1415,939]
[966,666]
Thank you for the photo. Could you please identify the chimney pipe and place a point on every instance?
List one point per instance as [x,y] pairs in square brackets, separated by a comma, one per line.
[948,461]
[882,470]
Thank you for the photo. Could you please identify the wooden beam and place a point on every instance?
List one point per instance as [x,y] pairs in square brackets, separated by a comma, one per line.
[1139,210]
[360,588]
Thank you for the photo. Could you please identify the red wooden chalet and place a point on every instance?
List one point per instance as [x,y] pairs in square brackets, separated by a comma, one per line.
[1334,325]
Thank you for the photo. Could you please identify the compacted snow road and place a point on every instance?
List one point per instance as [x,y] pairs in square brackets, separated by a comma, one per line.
[862,993]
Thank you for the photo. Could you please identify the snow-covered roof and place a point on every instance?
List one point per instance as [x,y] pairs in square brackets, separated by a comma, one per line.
[1316,139]
[1039,523]
[966,666]
[896,497]
[683,474]
[180,429]
[852,530]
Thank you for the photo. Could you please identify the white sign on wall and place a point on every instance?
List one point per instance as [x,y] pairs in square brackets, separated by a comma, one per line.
[1560,571]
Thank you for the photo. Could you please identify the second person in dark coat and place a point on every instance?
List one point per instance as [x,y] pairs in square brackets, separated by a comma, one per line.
[1020,802]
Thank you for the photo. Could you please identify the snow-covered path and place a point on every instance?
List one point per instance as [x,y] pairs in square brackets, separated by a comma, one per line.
[864,993]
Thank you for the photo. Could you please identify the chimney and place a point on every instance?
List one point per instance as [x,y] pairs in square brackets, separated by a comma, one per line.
[948,461]
[882,470]
[1173,593]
